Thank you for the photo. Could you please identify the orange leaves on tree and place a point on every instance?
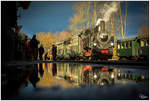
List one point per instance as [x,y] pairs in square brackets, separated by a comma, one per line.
[47,39]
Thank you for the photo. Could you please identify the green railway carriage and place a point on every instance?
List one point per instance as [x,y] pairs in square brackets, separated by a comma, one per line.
[60,49]
[69,48]
[135,47]
[144,43]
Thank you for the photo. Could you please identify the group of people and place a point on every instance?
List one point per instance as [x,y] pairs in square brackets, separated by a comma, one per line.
[51,54]
[32,49]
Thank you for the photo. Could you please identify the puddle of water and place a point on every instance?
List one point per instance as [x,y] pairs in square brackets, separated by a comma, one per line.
[74,81]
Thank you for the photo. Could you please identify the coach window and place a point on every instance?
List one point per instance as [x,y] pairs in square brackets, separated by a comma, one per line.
[142,43]
[147,42]
[125,45]
[118,46]
[129,44]
[122,45]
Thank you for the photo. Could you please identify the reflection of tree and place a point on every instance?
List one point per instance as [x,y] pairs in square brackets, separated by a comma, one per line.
[48,78]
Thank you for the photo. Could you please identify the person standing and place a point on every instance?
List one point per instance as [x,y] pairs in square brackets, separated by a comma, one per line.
[28,48]
[34,45]
[54,52]
[41,51]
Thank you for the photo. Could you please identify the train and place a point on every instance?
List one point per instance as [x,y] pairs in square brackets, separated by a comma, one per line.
[99,41]
[136,48]
[98,44]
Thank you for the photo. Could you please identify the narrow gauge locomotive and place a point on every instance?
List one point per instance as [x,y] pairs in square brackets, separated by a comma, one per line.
[97,75]
[100,41]
[86,74]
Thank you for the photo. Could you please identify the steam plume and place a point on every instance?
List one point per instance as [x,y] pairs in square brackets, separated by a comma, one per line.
[108,9]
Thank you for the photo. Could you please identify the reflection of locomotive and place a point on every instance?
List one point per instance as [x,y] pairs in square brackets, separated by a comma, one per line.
[98,75]
[86,74]
[99,40]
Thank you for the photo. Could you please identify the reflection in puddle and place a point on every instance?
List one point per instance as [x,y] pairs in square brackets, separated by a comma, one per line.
[49,77]
[37,81]
[99,75]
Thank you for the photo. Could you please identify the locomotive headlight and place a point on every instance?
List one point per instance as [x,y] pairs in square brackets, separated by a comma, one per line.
[112,43]
[112,75]
[95,76]
[95,44]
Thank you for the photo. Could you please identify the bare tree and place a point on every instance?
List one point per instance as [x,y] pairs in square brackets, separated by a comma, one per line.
[81,19]
[123,27]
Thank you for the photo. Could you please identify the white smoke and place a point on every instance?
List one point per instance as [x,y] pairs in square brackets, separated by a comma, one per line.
[108,9]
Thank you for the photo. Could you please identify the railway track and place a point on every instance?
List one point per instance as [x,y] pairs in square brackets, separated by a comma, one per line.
[128,63]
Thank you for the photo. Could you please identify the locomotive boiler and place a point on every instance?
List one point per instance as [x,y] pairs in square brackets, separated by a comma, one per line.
[99,41]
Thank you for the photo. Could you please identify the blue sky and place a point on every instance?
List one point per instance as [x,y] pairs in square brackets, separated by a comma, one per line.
[54,16]
[45,17]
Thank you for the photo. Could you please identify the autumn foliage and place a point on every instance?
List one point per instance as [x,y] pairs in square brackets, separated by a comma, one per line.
[47,39]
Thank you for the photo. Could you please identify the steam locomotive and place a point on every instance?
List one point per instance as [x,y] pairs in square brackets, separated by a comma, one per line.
[98,44]
[99,41]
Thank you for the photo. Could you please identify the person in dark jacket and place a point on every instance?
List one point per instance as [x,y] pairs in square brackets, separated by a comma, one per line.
[28,48]
[41,51]
[34,46]
[54,52]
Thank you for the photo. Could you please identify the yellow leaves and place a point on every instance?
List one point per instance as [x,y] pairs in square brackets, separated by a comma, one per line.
[94,20]
[64,35]
[75,20]
[47,39]
[80,20]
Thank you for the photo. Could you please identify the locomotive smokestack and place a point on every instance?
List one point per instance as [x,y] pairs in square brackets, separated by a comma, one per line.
[102,25]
